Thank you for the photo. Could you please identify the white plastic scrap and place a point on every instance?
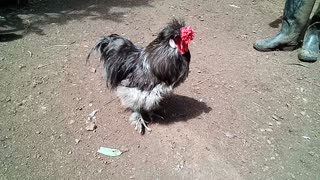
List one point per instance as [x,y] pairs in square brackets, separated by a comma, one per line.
[109,152]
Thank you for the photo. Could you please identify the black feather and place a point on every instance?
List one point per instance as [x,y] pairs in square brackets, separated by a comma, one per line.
[144,68]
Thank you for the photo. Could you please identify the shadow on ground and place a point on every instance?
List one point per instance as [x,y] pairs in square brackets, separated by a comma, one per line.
[29,19]
[276,23]
[181,108]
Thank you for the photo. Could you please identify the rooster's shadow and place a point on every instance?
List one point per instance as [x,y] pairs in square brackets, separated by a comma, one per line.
[180,108]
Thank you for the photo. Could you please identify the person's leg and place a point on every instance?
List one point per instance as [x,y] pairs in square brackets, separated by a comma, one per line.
[295,18]
[310,48]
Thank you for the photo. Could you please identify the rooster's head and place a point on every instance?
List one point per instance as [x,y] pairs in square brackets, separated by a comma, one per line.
[177,35]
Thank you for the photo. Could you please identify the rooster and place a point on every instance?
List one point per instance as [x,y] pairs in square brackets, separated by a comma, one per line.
[143,77]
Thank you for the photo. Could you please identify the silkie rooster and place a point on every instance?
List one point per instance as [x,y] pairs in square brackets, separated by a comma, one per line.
[143,77]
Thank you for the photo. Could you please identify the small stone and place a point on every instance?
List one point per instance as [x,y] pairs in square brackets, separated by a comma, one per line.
[69,152]
[22,102]
[79,108]
[269,129]
[8,99]
[93,70]
[21,67]
[12,111]
[268,141]
[303,161]
[265,168]
[305,100]
[91,126]
[229,135]
[71,121]
[311,153]
[52,138]
[77,141]
[38,132]
[180,165]
[303,113]
[270,124]
[43,107]
[90,104]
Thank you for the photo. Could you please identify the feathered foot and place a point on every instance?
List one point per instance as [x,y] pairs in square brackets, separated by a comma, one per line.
[140,124]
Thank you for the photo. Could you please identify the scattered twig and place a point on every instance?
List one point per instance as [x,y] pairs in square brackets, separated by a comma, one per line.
[301,78]
[274,116]
[254,139]
[109,101]
[43,65]
[298,64]
[232,5]
[30,53]
[306,137]
[265,109]
[253,122]
[61,45]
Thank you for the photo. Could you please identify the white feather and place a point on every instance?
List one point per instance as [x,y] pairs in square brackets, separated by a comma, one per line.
[137,99]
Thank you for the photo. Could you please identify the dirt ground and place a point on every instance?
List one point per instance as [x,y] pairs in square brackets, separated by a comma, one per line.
[241,114]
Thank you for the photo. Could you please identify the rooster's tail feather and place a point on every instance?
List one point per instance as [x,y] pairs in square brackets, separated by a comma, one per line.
[101,46]
[119,56]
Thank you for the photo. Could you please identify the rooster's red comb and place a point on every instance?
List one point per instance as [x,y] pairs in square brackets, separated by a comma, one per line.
[187,34]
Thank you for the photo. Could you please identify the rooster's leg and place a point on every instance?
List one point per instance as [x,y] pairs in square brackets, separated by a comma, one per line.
[140,124]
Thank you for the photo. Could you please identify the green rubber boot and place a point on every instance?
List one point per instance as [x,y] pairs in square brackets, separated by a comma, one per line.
[295,18]
[310,49]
